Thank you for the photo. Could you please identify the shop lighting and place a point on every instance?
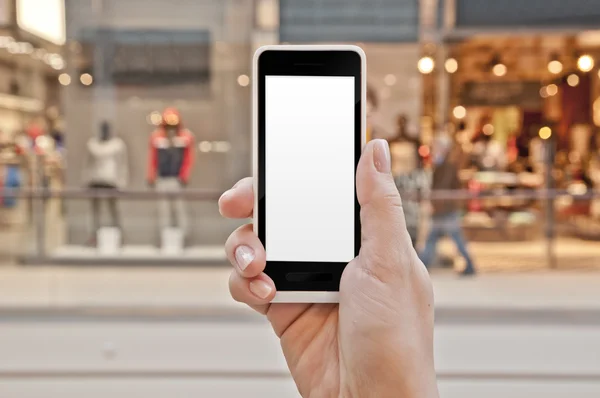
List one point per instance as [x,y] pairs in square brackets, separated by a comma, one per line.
[5,41]
[545,132]
[243,80]
[488,129]
[26,48]
[12,102]
[426,65]
[39,54]
[86,79]
[13,48]
[555,67]
[451,65]
[552,90]
[424,151]
[573,80]
[56,61]
[221,146]
[205,146]
[64,79]
[459,112]
[172,120]
[585,63]
[499,70]
[544,92]
[155,118]
[389,79]
[577,189]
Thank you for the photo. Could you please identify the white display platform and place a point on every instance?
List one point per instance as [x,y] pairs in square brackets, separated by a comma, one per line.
[135,255]
[109,241]
[172,241]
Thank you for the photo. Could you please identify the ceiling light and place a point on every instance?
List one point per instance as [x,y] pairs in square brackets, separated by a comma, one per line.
[585,63]
[451,65]
[426,65]
[460,112]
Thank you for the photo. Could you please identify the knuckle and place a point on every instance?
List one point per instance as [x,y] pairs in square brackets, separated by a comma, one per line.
[234,288]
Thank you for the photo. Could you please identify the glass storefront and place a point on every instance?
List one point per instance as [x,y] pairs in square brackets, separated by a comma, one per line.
[122,121]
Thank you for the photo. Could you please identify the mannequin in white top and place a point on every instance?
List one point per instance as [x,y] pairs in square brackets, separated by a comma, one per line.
[106,170]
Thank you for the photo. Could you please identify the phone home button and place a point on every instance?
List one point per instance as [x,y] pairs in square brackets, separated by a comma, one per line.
[299,277]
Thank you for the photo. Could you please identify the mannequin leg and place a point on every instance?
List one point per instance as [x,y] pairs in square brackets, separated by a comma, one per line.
[95,215]
[181,216]
[114,212]
[164,206]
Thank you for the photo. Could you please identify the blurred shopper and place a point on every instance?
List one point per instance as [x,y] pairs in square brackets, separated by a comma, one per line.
[412,183]
[446,213]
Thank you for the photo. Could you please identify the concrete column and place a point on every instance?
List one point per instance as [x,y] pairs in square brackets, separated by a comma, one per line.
[104,94]
[443,86]
[237,38]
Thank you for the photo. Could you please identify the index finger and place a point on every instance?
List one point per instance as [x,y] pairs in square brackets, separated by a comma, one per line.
[238,202]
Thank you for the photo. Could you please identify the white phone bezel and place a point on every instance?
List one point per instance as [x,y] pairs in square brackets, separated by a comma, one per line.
[300,296]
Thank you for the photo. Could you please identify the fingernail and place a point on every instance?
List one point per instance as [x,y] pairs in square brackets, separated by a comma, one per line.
[244,256]
[225,194]
[260,289]
[381,156]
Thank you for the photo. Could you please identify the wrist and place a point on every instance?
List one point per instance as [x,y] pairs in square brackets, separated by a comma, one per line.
[418,381]
[395,390]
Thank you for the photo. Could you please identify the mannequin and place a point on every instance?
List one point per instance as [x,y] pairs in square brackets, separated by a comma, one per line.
[106,170]
[170,163]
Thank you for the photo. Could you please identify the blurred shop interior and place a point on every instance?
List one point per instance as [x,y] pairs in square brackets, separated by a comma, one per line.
[122,121]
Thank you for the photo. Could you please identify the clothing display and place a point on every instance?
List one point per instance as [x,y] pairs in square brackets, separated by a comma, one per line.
[107,169]
[171,156]
[11,181]
[107,162]
[171,159]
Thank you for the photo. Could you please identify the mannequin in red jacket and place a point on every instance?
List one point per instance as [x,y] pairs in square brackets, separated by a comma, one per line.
[171,158]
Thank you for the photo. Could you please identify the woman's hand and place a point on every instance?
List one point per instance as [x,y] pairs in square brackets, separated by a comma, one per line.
[378,342]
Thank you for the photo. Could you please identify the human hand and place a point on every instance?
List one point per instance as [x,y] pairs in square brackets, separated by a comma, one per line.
[378,342]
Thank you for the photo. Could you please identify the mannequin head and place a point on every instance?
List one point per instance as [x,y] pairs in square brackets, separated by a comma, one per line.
[171,120]
[104,131]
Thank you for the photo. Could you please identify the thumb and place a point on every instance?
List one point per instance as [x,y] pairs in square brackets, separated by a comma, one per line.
[385,239]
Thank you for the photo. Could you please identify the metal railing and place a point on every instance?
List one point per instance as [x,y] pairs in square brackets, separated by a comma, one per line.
[543,199]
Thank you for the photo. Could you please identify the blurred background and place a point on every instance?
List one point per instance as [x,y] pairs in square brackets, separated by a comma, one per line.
[113,280]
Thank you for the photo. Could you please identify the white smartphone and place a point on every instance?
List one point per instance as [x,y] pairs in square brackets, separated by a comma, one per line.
[308,133]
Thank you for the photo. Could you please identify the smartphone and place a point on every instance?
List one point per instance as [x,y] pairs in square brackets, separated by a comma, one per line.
[308,131]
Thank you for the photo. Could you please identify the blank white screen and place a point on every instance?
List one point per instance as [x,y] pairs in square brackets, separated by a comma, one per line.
[309,168]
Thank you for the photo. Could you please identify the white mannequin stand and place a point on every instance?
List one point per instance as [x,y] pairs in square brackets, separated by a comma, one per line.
[109,241]
[172,241]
